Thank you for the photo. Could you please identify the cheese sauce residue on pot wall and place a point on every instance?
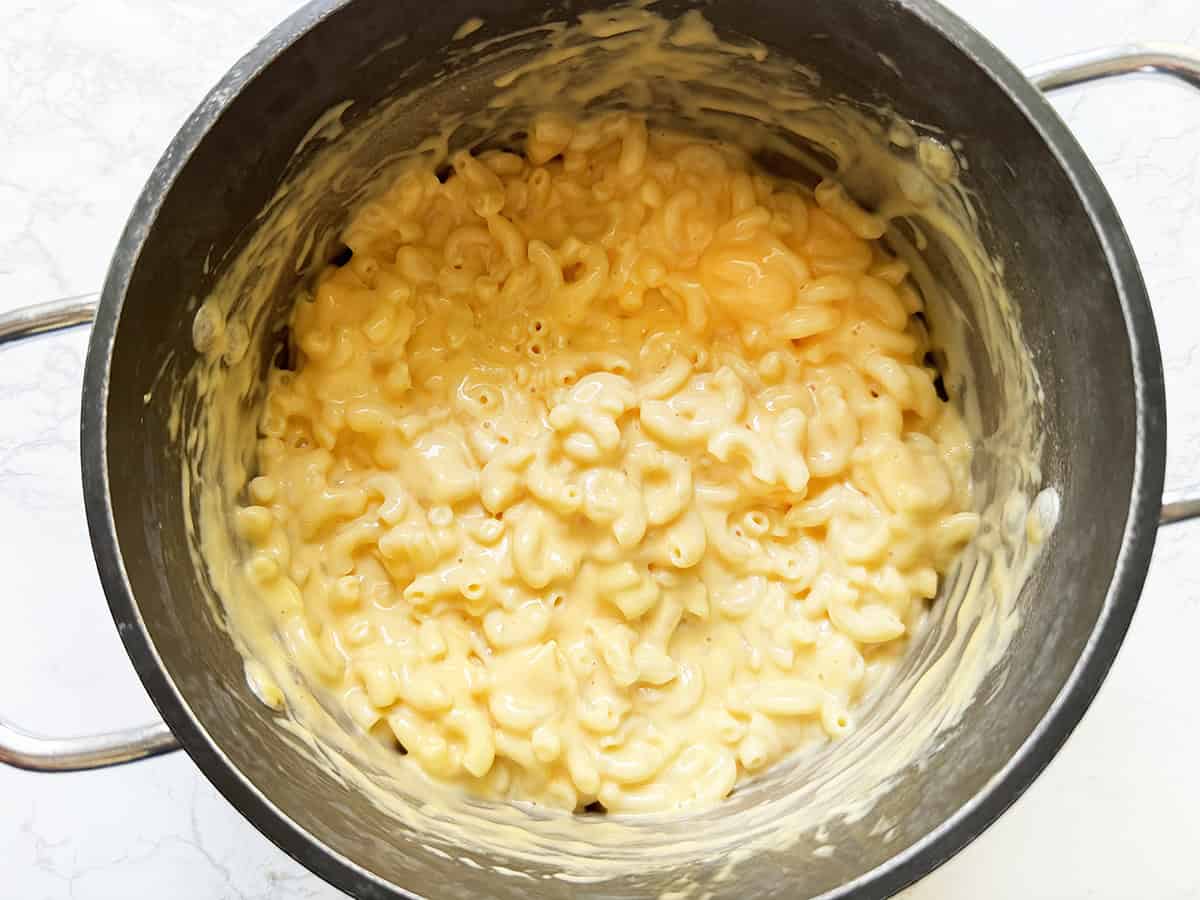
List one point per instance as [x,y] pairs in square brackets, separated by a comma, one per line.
[685,76]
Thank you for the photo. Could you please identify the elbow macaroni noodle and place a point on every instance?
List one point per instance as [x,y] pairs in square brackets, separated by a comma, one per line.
[611,472]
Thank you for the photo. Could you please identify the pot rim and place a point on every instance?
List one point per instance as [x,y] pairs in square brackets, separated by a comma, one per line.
[914,862]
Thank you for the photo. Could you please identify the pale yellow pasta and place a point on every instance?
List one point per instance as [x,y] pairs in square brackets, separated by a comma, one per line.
[605,470]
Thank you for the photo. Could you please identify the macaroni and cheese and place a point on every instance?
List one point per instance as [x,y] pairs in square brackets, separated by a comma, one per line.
[610,473]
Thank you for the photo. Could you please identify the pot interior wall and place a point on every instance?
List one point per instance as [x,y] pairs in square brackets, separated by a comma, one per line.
[1056,272]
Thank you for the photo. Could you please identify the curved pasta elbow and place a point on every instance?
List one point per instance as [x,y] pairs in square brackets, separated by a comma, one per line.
[548,137]
[479,752]
[590,436]
[588,264]
[732,442]
[788,697]
[666,488]
[832,197]
[637,762]
[306,650]
[670,428]
[668,381]
[630,526]
[582,768]
[538,556]
[871,624]
[525,625]
[500,481]
[791,436]
[686,541]
[832,434]
[629,588]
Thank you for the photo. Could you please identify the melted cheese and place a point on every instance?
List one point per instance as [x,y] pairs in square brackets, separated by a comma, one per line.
[610,472]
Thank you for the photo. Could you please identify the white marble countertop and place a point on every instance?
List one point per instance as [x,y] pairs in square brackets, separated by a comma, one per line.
[91,91]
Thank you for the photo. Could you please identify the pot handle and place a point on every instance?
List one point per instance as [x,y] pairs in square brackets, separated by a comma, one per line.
[1175,60]
[20,748]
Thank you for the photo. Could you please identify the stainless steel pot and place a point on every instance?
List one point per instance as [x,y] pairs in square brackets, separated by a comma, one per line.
[1088,323]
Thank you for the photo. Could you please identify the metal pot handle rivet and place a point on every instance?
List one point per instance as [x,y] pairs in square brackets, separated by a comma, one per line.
[43,754]
[1173,60]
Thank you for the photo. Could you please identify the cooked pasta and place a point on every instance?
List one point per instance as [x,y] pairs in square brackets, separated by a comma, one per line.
[608,473]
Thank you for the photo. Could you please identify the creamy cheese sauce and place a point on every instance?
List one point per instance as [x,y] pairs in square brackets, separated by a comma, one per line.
[610,472]
[734,93]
